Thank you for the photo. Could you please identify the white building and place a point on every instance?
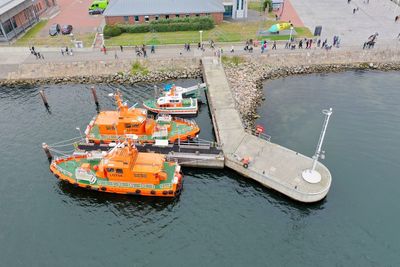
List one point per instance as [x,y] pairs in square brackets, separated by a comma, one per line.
[235,9]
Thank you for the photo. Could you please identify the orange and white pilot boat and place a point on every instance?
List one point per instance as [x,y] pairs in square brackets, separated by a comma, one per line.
[111,126]
[122,170]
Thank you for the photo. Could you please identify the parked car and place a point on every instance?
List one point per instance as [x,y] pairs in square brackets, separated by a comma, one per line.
[96,11]
[66,29]
[54,29]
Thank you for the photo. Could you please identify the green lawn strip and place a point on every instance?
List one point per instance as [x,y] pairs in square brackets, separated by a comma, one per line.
[255,5]
[32,37]
[31,33]
[226,32]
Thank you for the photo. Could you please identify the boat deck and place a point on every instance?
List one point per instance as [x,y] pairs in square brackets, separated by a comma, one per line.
[68,168]
[177,128]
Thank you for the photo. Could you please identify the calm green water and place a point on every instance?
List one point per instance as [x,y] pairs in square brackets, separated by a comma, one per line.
[221,219]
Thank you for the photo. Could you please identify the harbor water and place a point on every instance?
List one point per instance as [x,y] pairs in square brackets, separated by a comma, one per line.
[221,218]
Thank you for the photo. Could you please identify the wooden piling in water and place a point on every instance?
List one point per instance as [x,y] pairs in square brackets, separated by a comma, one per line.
[96,101]
[44,99]
[47,151]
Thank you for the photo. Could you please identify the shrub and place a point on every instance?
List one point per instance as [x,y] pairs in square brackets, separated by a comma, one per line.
[111,31]
[162,25]
[138,68]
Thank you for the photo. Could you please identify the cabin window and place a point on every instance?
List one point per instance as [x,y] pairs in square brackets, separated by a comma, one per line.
[156,17]
[118,171]
[127,125]
[167,17]
[136,18]
[140,175]
[110,127]
[126,18]
[146,18]
[109,169]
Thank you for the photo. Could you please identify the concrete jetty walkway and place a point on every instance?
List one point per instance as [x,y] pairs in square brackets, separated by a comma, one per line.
[270,164]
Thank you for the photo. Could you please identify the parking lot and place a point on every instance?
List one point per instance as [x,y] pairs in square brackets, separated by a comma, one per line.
[75,12]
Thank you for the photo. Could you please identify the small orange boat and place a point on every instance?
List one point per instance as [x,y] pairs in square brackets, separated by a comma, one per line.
[110,126]
[122,170]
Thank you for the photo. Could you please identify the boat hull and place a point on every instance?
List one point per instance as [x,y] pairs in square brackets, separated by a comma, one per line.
[126,190]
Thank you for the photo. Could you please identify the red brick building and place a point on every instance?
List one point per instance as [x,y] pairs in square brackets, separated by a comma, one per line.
[16,16]
[140,11]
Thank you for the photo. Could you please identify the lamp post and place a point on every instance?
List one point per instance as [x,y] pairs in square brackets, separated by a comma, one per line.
[311,175]
[201,37]
[290,35]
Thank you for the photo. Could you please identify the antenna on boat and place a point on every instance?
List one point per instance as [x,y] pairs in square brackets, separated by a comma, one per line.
[80,132]
[311,175]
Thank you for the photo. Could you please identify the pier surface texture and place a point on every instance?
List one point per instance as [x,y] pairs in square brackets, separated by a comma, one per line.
[270,164]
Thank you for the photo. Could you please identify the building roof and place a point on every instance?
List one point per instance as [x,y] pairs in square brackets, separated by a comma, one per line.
[160,7]
[6,5]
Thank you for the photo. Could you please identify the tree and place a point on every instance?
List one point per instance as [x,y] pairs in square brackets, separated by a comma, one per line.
[267,4]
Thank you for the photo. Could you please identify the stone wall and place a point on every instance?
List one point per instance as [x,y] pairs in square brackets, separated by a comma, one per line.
[103,71]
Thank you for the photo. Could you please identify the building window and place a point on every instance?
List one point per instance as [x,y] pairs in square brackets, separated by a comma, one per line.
[237,4]
[146,18]
[1,33]
[156,17]
[126,18]
[177,15]
[187,15]
[241,4]
[7,27]
[136,18]
[197,15]
[208,14]
[166,16]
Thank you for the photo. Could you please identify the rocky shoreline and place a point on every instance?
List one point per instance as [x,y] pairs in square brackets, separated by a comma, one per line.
[246,81]
[116,78]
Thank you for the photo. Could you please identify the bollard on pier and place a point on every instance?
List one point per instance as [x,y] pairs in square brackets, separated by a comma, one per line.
[47,151]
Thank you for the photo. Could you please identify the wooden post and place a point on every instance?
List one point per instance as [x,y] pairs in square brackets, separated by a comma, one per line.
[47,151]
[96,101]
[43,96]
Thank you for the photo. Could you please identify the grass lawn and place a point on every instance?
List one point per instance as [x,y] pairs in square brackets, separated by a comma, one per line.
[255,5]
[31,37]
[225,32]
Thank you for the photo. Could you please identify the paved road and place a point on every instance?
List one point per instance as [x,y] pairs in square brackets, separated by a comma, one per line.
[336,18]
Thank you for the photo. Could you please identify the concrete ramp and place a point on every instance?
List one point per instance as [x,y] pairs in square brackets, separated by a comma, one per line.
[270,164]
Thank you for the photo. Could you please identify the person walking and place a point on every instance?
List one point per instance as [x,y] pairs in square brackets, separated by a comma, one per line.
[153,49]
[71,53]
[274,46]
[121,48]
[62,51]
[232,49]
[104,50]
[115,54]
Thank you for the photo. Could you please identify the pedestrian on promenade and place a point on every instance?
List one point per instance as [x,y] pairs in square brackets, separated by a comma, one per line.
[301,44]
[42,56]
[354,11]
[33,49]
[274,46]
[233,49]
[348,1]
[287,45]
[319,43]
[62,51]
[396,18]
[198,45]
[122,48]
[115,54]
[188,47]
[66,50]
[262,49]
[104,50]
[71,53]
[153,49]
[38,55]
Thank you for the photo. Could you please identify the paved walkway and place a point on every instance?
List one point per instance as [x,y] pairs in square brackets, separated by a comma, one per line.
[270,164]
[288,13]
[336,18]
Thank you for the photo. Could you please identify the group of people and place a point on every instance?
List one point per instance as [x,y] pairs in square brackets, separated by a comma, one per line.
[370,43]
[67,51]
[37,54]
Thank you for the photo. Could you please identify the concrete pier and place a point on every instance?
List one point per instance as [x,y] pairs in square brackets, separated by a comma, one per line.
[270,164]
